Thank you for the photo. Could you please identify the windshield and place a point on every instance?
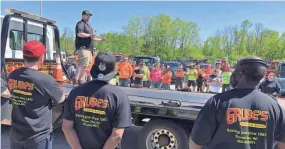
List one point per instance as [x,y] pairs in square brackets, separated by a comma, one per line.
[204,66]
[172,65]
[119,58]
[147,61]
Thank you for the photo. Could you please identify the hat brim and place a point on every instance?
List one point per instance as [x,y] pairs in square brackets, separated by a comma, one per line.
[106,77]
[90,14]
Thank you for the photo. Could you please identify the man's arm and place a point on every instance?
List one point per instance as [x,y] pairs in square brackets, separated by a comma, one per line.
[193,145]
[52,89]
[4,90]
[114,139]
[70,134]
[96,38]
[205,125]
[68,122]
[6,94]
[122,119]
[279,134]
[280,145]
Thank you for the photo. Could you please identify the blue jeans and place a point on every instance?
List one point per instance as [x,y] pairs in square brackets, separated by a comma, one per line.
[155,84]
[165,86]
[44,144]
[124,82]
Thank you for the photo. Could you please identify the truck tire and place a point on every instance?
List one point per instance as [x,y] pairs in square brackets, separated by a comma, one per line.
[162,134]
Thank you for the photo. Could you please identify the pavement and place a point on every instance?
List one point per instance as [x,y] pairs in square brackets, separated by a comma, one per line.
[129,139]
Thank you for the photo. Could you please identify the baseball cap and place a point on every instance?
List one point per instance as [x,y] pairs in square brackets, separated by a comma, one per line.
[104,66]
[34,48]
[141,63]
[84,12]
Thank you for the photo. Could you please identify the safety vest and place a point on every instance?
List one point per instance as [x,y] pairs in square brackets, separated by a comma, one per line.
[192,75]
[226,77]
[146,73]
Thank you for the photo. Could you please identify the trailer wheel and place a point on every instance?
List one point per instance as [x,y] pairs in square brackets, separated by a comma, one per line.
[162,134]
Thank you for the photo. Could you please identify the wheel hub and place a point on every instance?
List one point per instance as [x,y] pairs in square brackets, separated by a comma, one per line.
[163,139]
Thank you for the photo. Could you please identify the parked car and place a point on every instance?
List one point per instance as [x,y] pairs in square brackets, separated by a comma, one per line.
[282,84]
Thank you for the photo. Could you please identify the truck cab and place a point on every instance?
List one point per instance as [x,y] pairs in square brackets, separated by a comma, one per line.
[19,27]
[148,60]
[280,69]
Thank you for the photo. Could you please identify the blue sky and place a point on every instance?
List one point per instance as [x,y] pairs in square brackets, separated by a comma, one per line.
[112,16]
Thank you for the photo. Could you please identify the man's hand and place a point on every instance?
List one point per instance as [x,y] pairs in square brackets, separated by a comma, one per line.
[193,145]
[6,94]
[70,134]
[104,38]
[114,139]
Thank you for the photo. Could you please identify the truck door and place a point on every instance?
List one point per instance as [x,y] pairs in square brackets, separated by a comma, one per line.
[20,27]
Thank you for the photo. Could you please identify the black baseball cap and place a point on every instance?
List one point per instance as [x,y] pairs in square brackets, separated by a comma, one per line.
[104,66]
[84,12]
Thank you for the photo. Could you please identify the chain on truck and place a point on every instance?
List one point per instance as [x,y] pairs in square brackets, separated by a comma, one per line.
[166,117]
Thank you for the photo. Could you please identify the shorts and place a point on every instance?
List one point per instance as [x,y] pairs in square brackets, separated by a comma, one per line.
[84,57]
[46,143]
[191,83]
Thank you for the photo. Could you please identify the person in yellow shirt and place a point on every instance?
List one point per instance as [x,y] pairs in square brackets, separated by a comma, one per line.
[226,75]
[192,76]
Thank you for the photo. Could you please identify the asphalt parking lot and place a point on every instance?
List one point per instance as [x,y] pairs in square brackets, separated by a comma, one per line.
[128,142]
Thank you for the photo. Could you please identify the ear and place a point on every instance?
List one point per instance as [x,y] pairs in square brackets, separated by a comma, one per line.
[42,58]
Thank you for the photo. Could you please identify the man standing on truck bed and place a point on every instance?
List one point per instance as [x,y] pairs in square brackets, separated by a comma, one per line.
[33,94]
[84,45]
[97,112]
[241,118]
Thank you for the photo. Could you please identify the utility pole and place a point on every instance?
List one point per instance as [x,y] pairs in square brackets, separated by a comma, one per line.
[41,8]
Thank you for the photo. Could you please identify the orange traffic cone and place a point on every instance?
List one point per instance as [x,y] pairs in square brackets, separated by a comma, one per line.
[57,73]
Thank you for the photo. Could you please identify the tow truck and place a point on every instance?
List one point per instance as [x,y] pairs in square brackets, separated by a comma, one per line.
[166,117]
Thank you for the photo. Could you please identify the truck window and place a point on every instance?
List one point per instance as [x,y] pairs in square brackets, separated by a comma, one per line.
[16,39]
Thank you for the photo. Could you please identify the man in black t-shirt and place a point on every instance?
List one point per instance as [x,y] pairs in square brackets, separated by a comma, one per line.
[138,75]
[241,118]
[33,94]
[96,113]
[84,45]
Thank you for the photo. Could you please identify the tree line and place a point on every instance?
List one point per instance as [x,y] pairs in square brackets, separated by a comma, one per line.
[171,39]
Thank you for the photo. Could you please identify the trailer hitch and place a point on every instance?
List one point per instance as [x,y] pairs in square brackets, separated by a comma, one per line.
[172,103]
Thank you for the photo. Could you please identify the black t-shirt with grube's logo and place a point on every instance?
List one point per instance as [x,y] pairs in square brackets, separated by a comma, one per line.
[96,108]
[240,119]
[32,96]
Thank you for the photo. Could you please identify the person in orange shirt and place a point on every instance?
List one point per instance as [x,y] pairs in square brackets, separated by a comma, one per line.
[125,71]
[166,78]
[179,78]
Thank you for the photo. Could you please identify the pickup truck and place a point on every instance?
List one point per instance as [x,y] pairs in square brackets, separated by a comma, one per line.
[167,117]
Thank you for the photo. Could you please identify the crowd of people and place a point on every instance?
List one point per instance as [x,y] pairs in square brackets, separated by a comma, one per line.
[160,76]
